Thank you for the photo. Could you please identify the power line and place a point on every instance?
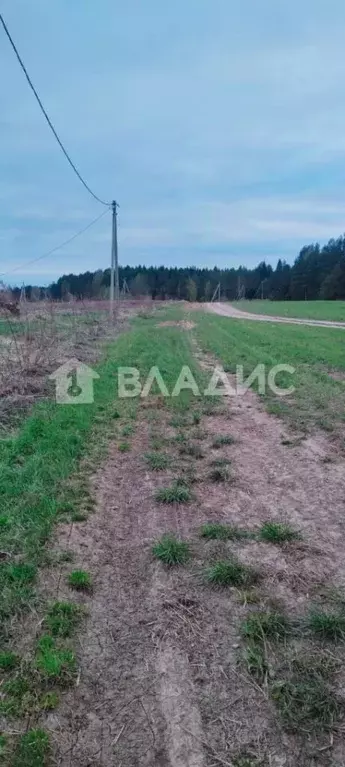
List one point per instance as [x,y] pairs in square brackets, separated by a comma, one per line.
[47,117]
[57,247]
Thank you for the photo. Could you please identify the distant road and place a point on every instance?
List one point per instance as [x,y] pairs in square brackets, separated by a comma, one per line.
[228,310]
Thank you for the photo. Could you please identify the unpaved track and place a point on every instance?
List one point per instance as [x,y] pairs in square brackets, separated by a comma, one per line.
[228,310]
[160,684]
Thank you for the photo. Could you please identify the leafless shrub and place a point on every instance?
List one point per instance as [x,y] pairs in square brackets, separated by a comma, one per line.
[43,337]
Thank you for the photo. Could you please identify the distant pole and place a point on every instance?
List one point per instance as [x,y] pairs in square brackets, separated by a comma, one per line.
[262,290]
[216,293]
[114,268]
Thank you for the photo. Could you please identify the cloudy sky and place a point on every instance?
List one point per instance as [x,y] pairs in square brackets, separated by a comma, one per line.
[219,126]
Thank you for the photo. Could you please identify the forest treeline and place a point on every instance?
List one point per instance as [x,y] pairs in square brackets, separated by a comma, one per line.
[318,272]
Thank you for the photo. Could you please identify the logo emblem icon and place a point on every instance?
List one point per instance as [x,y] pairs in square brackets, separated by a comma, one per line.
[74,383]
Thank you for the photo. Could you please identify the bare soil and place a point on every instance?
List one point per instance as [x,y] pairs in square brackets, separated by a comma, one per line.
[161,682]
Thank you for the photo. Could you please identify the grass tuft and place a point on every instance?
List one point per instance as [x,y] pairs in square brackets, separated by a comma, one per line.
[124,447]
[266,625]
[21,573]
[171,551]
[328,625]
[33,750]
[278,532]
[8,661]
[230,573]
[244,760]
[63,618]
[50,701]
[222,439]
[157,461]
[217,531]
[220,462]
[55,664]
[80,580]
[188,448]
[256,663]
[79,516]
[219,474]
[305,701]
[176,493]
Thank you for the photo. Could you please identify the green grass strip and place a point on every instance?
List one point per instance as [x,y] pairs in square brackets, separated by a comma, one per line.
[35,465]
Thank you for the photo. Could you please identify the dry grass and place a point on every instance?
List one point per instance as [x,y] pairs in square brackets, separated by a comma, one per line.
[33,345]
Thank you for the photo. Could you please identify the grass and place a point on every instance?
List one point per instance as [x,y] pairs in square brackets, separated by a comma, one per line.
[266,625]
[80,580]
[333,311]
[246,761]
[79,516]
[171,551]
[124,447]
[230,572]
[37,462]
[256,662]
[219,474]
[188,448]
[217,462]
[222,439]
[278,532]
[318,399]
[127,430]
[215,530]
[20,574]
[56,665]
[328,625]
[63,618]
[39,467]
[176,493]
[8,661]
[33,750]
[196,417]
[158,461]
[50,701]
[305,700]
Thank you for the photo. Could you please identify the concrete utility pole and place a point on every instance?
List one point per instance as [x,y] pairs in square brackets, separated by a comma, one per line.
[114,269]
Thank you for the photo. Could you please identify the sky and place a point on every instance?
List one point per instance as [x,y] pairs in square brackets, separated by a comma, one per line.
[219,127]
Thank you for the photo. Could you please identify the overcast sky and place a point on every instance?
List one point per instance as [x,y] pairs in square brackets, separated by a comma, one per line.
[219,126]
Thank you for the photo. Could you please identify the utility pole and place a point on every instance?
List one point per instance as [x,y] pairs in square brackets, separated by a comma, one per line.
[216,293]
[114,269]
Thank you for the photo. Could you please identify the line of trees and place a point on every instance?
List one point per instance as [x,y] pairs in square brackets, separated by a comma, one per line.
[318,272]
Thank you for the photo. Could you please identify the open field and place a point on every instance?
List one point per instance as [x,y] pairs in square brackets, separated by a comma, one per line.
[314,310]
[317,354]
[172,570]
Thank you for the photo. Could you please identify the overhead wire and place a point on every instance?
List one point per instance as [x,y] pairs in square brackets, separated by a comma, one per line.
[57,247]
[68,158]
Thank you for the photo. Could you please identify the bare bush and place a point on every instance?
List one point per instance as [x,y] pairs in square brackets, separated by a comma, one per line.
[44,336]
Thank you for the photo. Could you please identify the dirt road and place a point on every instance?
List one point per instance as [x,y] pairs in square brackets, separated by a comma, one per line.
[161,684]
[228,310]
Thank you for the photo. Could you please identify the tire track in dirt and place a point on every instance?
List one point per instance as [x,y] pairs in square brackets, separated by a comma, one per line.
[160,682]
[134,691]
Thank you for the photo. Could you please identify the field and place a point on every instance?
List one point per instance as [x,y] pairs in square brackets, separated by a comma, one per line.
[312,310]
[172,569]
[317,355]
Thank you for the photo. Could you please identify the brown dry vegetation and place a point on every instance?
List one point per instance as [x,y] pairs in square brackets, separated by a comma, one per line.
[43,337]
